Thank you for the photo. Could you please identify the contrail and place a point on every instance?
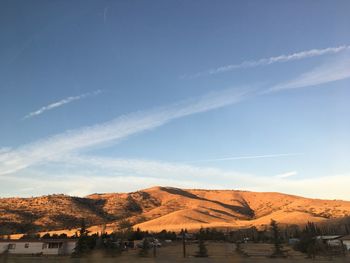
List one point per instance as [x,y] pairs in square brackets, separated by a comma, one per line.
[336,70]
[60,103]
[272,60]
[246,157]
[73,141]
[105,14]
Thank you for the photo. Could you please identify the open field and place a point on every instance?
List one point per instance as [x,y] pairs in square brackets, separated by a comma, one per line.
[218,252]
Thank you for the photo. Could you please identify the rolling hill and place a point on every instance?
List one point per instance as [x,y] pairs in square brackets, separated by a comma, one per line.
[168,208]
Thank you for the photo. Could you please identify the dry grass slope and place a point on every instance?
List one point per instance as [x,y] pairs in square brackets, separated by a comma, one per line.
[168,208]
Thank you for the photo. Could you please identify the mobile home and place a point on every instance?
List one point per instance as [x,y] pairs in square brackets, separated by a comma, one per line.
[38,247]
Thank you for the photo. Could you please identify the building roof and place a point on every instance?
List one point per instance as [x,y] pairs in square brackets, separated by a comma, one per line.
[328,237]
[36,240]
[347,237]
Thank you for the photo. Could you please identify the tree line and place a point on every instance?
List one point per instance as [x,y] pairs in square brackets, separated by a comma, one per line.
[121,239]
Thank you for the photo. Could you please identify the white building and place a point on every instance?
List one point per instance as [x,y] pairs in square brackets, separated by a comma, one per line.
[336,240]
[346,241]
[38,247]
[331,240]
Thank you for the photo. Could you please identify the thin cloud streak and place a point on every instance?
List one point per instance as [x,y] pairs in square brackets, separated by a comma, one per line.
[110,132]
[272,60]
[142,167]
[329,72]
[287,174]
[244,157]
[105,11]
[60,103]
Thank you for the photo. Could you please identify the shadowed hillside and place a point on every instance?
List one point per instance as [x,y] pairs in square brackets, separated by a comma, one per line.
[169,208]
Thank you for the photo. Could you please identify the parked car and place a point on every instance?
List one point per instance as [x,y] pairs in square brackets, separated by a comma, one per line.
[156,243]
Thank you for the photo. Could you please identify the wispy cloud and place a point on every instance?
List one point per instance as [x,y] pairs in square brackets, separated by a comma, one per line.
[272,60]
[66,148]
[287,174]
[141,167]
[60,103]
[117,129]
[338,69]
[244,157]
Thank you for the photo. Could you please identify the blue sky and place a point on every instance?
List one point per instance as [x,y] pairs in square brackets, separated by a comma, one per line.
[104,96]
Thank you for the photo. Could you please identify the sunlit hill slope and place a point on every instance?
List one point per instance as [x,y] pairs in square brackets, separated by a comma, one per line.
[168,208]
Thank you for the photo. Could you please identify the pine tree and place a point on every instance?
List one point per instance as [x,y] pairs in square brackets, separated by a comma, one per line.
[276,235]
[124,233]
[308,242]
[202,248]
[82,245]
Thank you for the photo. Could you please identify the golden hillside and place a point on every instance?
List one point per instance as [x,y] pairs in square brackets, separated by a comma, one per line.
[168,208]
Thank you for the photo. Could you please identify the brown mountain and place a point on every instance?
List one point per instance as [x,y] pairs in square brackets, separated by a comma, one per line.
[168,208]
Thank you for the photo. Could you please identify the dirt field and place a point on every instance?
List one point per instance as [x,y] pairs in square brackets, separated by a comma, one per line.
[218,252]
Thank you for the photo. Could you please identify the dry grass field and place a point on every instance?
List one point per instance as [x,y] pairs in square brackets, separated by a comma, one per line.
[218,252]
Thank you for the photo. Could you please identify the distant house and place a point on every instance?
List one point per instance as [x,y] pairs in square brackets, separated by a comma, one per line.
[346,241]
[331,240]
[38,247]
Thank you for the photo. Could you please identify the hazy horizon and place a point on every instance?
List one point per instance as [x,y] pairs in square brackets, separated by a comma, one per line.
[166,186]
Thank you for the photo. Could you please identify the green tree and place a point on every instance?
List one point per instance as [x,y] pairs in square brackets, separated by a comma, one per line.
[124,233]
[277,241]
[202,248]
[132,206]
[124,225]
[308,242]
[137,235]
[46,236]
[63,236]
[83,244]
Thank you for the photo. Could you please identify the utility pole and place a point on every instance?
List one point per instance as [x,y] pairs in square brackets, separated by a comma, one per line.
[154,249]
[184,243]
